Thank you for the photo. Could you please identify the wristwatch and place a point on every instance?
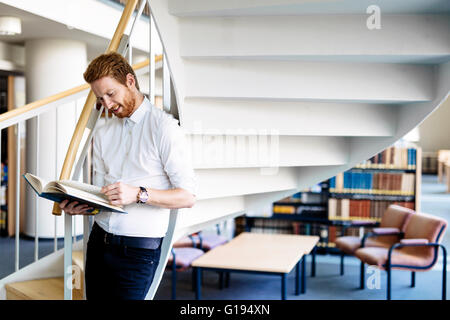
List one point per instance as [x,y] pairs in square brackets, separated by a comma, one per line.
[142,196]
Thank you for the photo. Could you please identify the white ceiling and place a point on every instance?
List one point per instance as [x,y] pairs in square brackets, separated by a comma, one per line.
[34,27]
[305,7]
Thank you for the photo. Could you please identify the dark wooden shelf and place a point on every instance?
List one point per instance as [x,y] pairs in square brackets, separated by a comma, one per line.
[393,170]
[363,196]
[297,204]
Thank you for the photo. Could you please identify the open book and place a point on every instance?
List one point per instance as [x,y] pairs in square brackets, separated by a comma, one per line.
[61,190]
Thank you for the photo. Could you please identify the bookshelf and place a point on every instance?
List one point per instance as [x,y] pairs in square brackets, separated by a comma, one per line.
[10,91]
[3,179]
[348,203]
[3,207]
[429,162]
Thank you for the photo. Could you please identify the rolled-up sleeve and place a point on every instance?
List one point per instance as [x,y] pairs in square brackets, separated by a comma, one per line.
[176,157]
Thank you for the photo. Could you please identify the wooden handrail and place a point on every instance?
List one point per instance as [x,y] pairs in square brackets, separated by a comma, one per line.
[90,101]
[42,102]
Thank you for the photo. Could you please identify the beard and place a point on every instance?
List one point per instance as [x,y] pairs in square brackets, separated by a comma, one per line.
[128,106]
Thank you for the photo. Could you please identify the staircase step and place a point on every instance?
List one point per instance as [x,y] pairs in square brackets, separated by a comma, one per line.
[308,81]
[49,288]
[244,181]
[78,259]
[402,39]
[42,289]
[288,118]
[264,148]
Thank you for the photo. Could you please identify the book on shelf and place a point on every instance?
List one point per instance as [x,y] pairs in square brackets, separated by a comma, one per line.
[387,183]
[61,190]
[370,210]
[392,158]
[284,209]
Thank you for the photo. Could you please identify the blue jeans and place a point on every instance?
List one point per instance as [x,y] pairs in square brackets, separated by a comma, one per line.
[116,271]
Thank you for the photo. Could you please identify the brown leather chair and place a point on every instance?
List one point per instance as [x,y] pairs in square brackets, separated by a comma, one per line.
[418,250]
[392,225]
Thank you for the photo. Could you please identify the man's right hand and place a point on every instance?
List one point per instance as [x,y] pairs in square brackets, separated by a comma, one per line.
[73,209]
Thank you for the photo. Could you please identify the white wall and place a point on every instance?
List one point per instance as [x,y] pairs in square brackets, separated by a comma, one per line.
[90,16]
[435,130]
[52,66]
[12,57]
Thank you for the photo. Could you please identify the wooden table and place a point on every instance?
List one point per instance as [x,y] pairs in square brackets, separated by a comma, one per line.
[271,254]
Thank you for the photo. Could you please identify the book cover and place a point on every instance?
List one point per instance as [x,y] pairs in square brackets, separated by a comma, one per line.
[58,191]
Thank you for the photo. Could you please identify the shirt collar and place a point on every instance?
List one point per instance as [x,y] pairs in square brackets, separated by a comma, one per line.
[139,113]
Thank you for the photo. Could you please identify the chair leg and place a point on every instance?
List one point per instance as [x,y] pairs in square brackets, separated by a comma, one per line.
[444,274]
[388,270]
[413,279]
[342,263]
[362,277]
[174,281]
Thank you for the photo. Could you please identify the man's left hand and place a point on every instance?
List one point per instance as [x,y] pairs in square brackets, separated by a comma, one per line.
[120,194]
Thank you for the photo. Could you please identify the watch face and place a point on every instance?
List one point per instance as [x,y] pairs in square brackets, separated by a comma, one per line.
[143,195]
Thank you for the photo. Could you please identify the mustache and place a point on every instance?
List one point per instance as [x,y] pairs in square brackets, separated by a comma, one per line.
[115,107]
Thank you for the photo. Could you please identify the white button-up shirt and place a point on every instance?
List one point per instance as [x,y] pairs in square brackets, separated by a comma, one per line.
[147,149]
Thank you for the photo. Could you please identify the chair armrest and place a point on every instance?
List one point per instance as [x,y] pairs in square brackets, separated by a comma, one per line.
[379,232]
[414,241]
[417,244]
[200,240]
[384,231]
[191,236]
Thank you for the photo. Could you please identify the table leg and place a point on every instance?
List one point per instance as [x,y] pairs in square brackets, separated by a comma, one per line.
[283,286]
[221,280]
[198,277]
[297,279]
[303,261]
[313,263]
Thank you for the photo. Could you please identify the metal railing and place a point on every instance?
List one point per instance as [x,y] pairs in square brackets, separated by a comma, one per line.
[16,118]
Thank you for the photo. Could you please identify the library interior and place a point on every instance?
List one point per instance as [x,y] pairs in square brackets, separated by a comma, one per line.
[323,169]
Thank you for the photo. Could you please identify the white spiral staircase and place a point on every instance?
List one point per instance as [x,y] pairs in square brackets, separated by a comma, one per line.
[277,95]
[327,90]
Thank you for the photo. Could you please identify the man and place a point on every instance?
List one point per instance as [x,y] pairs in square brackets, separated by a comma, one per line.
[141,162]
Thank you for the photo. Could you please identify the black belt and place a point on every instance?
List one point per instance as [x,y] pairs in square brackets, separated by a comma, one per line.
[133,242]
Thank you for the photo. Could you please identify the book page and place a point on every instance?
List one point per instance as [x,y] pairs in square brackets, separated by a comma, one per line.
[36,182]
[80,191]
[81,194]
[83,186]
[102,200]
